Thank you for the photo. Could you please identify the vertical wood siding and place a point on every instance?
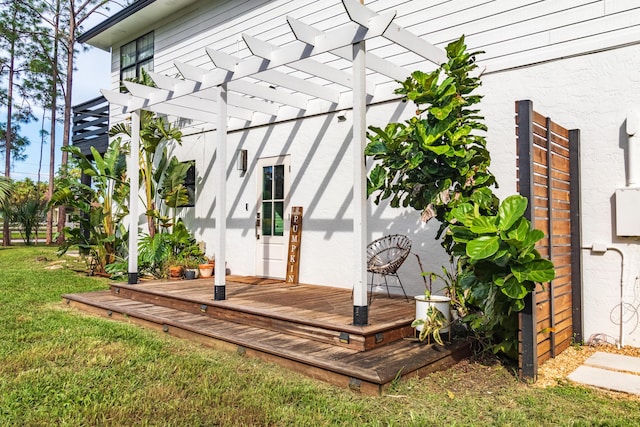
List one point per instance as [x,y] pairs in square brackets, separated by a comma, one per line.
[546,153]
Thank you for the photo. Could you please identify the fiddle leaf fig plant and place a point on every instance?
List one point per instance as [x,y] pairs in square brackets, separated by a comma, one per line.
[437,162]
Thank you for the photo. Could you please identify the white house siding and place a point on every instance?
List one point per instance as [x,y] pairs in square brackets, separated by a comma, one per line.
[579,61]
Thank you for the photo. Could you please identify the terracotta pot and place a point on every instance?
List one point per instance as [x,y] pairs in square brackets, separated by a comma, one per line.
[175,271]
[206,270]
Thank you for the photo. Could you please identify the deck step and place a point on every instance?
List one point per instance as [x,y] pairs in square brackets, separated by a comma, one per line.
[368,372]
[291,322]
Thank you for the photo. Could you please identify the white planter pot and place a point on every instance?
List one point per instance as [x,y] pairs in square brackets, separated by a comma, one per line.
[441,303]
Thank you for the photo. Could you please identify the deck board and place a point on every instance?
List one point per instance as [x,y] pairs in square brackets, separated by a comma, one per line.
[320,305]
[312,313]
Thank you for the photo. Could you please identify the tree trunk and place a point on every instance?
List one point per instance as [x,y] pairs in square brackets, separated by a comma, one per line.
[6,231]
[71,41]
[54,104]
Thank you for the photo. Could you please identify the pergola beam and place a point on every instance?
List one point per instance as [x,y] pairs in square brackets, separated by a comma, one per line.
[364,16]
[269,93]
[310,66]
[275,77]
[170,108]
[365,24]
[308,34]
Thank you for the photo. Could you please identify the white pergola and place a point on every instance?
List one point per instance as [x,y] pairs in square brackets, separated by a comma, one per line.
[228,93]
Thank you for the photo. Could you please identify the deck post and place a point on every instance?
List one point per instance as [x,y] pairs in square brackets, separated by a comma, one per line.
[576,234]
[360,308]
[221,196]
[528,337]
[132,171]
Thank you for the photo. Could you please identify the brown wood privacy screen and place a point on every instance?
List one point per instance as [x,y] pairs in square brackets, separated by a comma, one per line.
[548,175]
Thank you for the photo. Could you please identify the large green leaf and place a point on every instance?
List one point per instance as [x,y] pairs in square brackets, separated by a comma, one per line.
[513,289]
[539,271]
[443,112]
[520,231]
[376,179]
[463,214]
[375,147]
[483,197]
[533,236]
[484,224]
[510,210]
[483,247]
[415,160]
[461,234]
[438,149]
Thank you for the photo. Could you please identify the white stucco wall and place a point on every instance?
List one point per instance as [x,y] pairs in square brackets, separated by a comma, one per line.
[321,182]
[592,93]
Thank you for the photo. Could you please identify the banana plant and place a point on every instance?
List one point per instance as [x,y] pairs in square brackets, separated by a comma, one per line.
[173,191]
[99,208]
[155,133]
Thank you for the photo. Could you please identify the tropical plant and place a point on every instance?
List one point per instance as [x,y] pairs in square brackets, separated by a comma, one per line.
[178,247]
[153,254]
[5,191]
[155,133]
[173,191]
[25,207]
[431,325]
[98,209]
[437,163]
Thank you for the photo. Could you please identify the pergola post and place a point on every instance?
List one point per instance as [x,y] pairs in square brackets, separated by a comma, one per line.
[132,170]
[221,194]
[360,308]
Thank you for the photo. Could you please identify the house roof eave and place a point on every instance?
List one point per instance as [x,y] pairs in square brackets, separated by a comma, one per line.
[127,22]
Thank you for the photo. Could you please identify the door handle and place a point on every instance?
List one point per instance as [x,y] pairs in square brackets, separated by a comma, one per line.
[258,225]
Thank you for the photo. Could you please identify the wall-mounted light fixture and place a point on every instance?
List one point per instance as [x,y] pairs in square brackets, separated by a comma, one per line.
[242,162]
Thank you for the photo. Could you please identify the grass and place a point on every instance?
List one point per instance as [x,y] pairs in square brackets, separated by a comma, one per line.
[64,368]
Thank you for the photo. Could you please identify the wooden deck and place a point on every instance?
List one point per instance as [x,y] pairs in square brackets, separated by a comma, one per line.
[305,328]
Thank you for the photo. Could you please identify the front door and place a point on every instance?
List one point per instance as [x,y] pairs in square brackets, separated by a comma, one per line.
[273,188]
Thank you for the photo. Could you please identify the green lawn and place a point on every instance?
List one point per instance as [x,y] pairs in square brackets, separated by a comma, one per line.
[62,367]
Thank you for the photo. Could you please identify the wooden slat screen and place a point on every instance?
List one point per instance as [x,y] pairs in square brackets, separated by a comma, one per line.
[547,170]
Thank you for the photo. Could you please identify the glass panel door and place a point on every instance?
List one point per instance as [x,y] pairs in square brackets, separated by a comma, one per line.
[270,219]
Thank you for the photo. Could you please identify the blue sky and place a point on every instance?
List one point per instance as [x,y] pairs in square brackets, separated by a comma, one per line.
[92,74]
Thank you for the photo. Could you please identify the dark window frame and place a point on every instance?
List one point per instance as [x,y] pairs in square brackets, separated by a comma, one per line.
[140,60]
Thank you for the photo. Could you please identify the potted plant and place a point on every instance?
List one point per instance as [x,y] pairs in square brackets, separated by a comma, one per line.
[191,268]
[433,312]
[207,266]
[174,267]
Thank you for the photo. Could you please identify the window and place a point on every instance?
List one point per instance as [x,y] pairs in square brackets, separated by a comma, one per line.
[273,200]
[190,183]
[136,55]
